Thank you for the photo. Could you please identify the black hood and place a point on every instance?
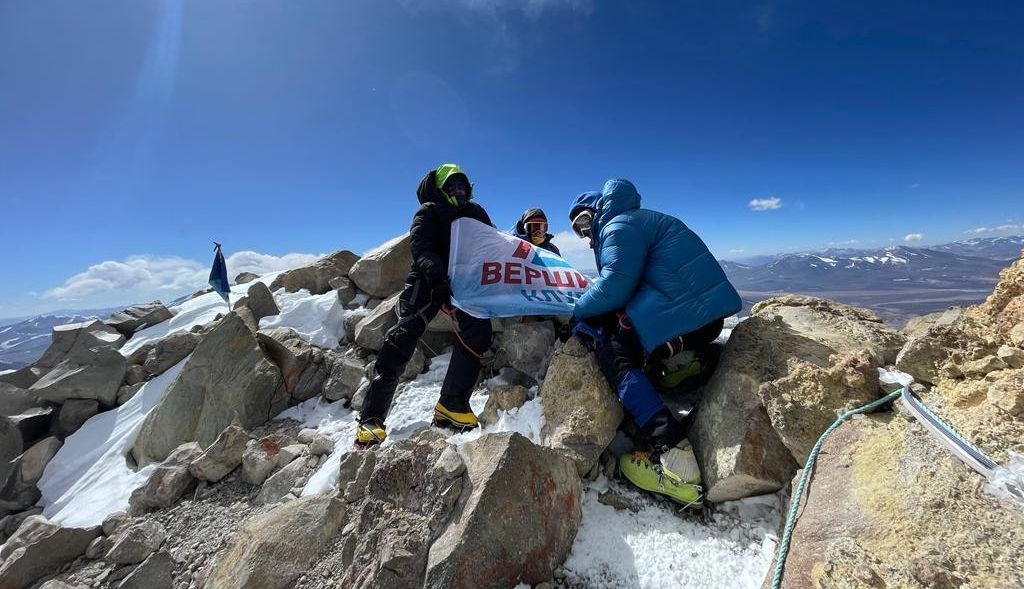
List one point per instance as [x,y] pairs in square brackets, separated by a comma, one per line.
[428,191]
[527,214]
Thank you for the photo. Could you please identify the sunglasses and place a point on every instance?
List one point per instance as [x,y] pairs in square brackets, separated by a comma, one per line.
[582,223]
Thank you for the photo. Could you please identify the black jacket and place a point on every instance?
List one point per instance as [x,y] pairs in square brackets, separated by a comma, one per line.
[431,231]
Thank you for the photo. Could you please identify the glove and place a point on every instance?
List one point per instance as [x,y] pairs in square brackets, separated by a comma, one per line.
[564,331]
[588,335]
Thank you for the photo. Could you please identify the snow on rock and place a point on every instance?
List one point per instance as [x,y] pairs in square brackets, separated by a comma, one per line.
[198,311]
[655,547]
[89,478]
[412,410]
[319,319]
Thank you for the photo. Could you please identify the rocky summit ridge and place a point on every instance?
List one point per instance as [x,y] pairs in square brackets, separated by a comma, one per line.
[220,494]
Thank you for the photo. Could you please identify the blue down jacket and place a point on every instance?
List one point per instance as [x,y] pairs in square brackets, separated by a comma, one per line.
[653,266]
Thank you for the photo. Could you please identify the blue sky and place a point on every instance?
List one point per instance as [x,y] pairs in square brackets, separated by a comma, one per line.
[133,133]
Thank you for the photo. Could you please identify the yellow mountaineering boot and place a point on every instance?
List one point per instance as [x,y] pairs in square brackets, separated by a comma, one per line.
[454,420]
[675,475]
[370,433]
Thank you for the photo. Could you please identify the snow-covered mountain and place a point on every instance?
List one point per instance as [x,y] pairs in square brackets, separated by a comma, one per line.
[895,267]
[21,342]
[998,248]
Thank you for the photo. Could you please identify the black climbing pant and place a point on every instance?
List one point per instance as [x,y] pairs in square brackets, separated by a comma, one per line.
[417,306]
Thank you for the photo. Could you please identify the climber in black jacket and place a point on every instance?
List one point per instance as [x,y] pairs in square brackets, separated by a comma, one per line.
[445,194]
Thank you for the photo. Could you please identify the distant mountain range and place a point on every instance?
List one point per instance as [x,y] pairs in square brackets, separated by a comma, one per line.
[897,281]
[24,340]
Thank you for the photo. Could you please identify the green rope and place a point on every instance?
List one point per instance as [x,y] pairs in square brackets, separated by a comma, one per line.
[780,556]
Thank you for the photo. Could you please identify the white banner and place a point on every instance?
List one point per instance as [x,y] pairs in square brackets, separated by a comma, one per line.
[494,274]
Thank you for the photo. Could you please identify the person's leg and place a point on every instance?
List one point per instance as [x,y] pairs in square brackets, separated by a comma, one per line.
[473,340]
[703,336]
[621,359]
[415,310]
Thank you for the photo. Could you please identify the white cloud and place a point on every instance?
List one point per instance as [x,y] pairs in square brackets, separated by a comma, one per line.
[576,251]
[765,204]
[847,242]
[913,237]
[1006,227]
[139,277]
[736,251]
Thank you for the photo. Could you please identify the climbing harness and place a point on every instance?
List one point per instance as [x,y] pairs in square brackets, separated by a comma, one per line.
[450,312]
[943,432]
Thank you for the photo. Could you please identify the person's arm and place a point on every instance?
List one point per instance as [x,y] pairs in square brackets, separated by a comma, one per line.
[423,246]
[622,255]
[482,215]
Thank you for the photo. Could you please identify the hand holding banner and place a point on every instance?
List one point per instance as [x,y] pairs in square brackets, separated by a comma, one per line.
[494,274]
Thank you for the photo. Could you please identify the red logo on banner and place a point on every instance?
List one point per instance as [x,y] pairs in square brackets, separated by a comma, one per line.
[523,251]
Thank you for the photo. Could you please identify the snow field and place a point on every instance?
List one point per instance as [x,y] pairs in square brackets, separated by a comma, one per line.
[89,478]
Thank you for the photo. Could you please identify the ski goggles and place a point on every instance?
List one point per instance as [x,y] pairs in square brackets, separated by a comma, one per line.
[582,223]
[536,227]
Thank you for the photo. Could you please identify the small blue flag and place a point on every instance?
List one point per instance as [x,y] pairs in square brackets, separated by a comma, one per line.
[219,274]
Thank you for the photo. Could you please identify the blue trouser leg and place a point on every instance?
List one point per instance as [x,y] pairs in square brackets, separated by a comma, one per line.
[621,358]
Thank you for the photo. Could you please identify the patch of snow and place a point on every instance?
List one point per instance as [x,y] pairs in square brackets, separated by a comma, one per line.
[361,299]
[656,547]
[89,478]
[2,372]
[198,311]
[319,319]
[411,411]
[829,261]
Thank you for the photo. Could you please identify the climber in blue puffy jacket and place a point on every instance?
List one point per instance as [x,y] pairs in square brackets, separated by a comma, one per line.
[659,291]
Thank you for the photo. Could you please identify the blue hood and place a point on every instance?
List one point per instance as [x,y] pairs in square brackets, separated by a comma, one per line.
[586,200]
[617,197]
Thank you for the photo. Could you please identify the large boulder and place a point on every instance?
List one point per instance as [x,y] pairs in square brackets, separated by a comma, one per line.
[94,373]
[370,331]
[581,412]
[1003,310]
[317,276]
[828,325]
[158,356]
[345,289]
[15,400]
[11,446]
[516,521]
[802,404]
[503,398]
[137,317]
[68,339]
[226,379]
[168,481]
[527,346]
[39,548]
[400,499]
[304,367]
[73,414]
[272,550]
[382,270]
[156,572]
[223,456]
[789,355]
[917,325]
[280,484]
[20,490]
[890,507]
[133,544]
[261,301]
[245,277]
[343,381]
[942,349]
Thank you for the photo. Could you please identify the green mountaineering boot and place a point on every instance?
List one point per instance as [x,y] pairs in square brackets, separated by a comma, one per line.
[681,485]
